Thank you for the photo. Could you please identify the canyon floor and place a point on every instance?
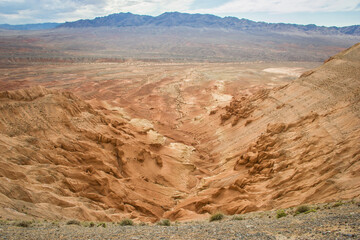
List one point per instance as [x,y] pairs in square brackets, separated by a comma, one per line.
[104,141]
[339,220]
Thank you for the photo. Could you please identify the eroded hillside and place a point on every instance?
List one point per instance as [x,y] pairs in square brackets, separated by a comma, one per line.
[62,159]
[181,148]
[292,145]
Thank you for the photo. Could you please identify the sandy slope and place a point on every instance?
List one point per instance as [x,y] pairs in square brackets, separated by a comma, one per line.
[299,143]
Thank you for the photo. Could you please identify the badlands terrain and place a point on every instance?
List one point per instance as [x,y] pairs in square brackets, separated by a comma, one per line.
[104,141]
[103,123]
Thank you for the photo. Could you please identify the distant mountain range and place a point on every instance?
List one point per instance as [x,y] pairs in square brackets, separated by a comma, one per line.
[35,26]
[173,19]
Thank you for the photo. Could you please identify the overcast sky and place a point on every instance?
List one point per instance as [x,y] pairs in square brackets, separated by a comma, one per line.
[320,12]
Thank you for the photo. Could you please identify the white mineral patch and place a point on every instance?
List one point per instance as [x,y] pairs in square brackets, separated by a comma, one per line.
[295,72]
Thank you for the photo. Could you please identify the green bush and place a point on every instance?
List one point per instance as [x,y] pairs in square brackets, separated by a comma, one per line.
[280,213]
[91,224]
[164,222]
[126,222]
[302,209]
[73,222]
[216,217]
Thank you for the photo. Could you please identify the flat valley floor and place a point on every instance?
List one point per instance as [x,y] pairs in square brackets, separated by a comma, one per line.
[329,221]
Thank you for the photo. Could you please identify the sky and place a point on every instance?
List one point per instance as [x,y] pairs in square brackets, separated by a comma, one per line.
[319,12]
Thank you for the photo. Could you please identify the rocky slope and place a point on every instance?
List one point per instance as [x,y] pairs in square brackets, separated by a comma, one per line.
[268,149]
[296,144]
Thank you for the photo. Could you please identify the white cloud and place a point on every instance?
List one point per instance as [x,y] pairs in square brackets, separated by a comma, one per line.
[282,6]
[33,11]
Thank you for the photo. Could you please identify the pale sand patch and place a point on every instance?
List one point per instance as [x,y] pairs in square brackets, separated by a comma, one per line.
[141,125]
[294,71]
[221,97]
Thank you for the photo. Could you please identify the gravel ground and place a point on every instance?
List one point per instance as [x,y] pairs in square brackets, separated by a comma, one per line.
[328,222]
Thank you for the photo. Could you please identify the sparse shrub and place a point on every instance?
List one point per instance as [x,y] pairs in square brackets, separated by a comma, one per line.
[73,222]
[310,211]
[56,224]
[143,224]
[302,209]
[91,224]
[338,204]
[238,218]
[126,222]
[216,217]
[86,224]
[23,224]
[327,206]
[280,213]
[102,225]
[164,222]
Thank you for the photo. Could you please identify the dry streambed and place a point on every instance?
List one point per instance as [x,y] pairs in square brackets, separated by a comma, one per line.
[339,220]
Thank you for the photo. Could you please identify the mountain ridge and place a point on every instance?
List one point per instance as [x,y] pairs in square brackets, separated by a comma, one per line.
[172,19]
